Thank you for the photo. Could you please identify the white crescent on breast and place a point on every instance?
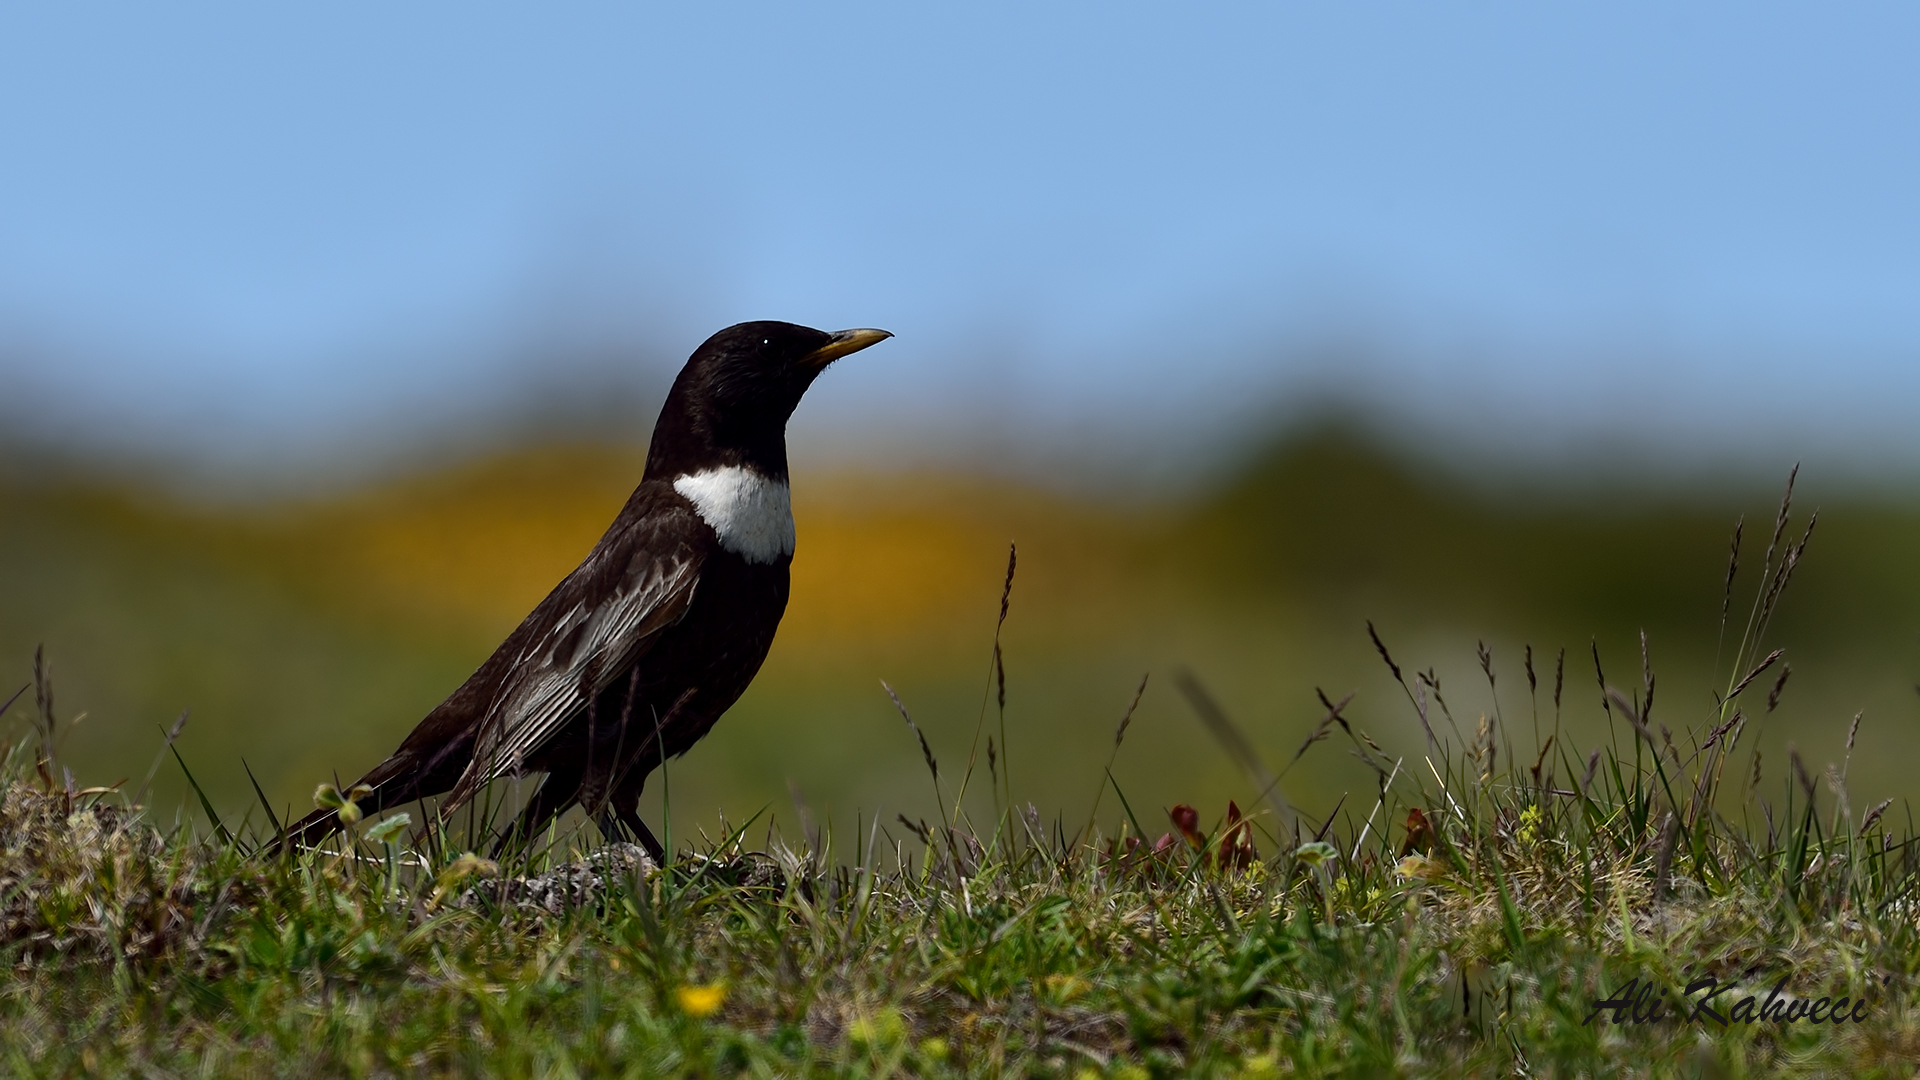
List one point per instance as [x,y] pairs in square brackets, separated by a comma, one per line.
[751,514]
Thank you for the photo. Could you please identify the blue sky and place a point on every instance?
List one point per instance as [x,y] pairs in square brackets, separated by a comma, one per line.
[261,230]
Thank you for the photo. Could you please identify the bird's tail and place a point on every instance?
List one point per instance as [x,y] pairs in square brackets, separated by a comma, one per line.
[421,768]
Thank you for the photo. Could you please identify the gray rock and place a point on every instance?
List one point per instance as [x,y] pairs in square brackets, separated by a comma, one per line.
[571,885]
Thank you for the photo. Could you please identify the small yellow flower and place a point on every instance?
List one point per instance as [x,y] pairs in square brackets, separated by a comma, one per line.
[1530,824]
[1422,867]
[701,1002]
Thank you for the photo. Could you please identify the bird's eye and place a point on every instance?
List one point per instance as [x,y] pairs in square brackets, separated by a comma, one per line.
[764,342]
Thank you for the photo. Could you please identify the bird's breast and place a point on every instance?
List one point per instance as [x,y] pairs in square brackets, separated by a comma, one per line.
[719,645]
[750,513]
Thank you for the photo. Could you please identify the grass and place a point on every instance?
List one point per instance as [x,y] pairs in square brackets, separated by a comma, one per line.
[1462,912]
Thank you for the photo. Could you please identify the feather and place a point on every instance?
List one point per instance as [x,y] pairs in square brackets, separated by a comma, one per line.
[597,634]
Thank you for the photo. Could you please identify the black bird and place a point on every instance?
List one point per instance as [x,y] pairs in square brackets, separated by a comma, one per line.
[634,655]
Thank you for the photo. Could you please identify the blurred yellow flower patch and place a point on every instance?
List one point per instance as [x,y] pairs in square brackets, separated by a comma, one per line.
[701,1002]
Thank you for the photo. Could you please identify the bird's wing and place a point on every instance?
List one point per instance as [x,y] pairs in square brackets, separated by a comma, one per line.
[603,618]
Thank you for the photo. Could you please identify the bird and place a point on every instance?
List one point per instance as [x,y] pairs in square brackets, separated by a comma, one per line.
[634,655]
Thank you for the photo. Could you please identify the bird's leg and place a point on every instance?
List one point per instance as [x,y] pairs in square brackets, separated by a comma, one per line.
[629,816]
[610,829]
[623,807]
[619,823]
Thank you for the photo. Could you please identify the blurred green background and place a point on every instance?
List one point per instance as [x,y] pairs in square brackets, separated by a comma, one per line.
[307,635]
[329,335]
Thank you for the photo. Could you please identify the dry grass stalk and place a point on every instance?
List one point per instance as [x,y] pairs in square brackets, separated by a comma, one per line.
[1779,684]
[1755,673]
[1800,771]
[1415,693]
[1663,863]
[1119,734]
[1873,815]
[1733,568]
[1559,677]
[1632,716]
[172,733]
[996,679]
[1321,729]
[1716,733]
[926,751]
[43,700]
[1538,761]
[1853,729]
[1785,574]
[1600,675]
[1381,648]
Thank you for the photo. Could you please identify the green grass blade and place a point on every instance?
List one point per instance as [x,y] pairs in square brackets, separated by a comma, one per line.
[262,796]
[205,803]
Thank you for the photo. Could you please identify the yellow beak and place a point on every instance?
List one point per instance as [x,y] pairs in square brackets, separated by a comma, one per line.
[842,343]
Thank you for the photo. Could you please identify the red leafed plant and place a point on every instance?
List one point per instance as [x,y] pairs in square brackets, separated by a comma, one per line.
[1236,850]
[1233,849]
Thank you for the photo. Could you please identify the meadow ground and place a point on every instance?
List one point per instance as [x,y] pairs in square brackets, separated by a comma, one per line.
[1672,903]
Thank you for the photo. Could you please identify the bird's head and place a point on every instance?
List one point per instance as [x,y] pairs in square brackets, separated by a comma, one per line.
[730,404]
